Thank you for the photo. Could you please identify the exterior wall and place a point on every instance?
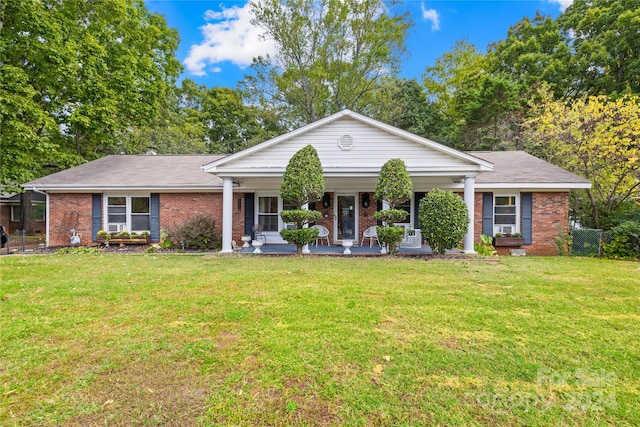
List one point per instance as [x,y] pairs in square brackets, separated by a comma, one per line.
[550,214]
[67,211]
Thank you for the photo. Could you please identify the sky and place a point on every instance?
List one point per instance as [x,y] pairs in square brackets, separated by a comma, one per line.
[218,41]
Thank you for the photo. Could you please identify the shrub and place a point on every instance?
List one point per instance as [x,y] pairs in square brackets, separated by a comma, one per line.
[391,237]
[625,241]
[300,236]
[198,232]
[444,220]
[485,247]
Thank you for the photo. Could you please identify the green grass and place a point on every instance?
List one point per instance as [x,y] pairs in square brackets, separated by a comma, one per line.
[213,340]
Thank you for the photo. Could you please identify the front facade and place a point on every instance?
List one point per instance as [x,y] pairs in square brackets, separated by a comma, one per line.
[508,192]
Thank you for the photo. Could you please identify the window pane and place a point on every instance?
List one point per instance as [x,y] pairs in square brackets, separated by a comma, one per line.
[406,207]
[118,218]
[140,222]
[15,213]
[140,205]
[269,222]
[505,209]
[117,201]
[505,201]
[268,204]
[288,206]
[505,219]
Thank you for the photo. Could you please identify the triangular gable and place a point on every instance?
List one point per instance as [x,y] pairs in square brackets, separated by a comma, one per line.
[349,144]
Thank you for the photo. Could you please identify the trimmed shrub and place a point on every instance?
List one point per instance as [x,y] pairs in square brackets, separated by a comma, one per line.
[198,232]
[444,220]
[391,237]
[625,241]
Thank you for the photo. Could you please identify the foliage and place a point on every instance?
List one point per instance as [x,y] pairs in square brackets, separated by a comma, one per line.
[444,220]
[390,216]
[198,232]
[391,236]
[302,183]
[76,77]
[330,55]
[303,180]
[625,241]
[485,247]
[78,250]
[563,242]
[300,236]
[596,138]
[394,183]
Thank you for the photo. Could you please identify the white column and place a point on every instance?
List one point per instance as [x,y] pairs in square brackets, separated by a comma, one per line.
[305,248]
[227,214]
[469,200]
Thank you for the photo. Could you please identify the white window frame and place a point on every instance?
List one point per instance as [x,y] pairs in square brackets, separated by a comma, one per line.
[498,228]
[127,225]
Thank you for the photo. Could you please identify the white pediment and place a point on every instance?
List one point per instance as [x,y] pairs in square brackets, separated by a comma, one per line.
[349,144]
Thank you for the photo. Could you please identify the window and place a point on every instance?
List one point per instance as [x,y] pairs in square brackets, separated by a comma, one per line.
[37,212]
[505,218]
[406,206]
[268,213]
[129,213]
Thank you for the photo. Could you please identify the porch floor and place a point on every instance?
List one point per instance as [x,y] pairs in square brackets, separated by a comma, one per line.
[365,250]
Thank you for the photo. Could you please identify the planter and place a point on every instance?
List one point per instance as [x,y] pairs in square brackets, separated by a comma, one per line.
[347,244]
[508,241]
[246,240]
[257,244]
[138,240]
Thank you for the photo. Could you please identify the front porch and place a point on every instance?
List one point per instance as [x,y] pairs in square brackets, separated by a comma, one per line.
[338,250]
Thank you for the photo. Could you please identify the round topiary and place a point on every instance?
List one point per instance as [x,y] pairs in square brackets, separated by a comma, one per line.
[444,220]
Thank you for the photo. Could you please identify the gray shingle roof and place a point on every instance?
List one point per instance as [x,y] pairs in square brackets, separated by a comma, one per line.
[134,171]
[518,167]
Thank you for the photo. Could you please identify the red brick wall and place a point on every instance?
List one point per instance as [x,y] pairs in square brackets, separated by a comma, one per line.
[550,212]
[67,211]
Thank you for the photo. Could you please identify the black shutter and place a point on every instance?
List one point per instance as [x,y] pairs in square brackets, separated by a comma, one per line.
[154,217]
[96,215]
[527,217]
[249,213]
[487,214]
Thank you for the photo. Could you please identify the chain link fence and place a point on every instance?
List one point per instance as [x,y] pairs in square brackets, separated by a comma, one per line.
[588,241]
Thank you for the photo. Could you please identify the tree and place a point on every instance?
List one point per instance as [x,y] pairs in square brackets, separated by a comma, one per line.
[302,183]
[330,55]
[444,220]
[604,38]
[597,138]
[394,187]
[77,76]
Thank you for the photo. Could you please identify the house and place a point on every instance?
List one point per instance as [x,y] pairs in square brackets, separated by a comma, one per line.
[11,216]
[505,192]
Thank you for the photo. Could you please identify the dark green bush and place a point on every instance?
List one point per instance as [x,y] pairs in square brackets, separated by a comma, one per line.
[300,236]
[391,237]
[625,241]
[444,220]
[390,216]
[198,232]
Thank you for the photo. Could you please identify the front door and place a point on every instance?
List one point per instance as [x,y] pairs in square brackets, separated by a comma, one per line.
[345,223]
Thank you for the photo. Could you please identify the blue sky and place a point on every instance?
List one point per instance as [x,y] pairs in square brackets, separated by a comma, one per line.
[218,41]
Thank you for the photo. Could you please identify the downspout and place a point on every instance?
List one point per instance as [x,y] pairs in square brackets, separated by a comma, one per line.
[46,195]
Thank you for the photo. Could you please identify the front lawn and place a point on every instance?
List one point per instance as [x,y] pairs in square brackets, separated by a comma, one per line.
[214,340]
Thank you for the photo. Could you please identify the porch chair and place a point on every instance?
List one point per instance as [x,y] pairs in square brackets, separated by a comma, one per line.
[258,233]
[323,233]
[370,233]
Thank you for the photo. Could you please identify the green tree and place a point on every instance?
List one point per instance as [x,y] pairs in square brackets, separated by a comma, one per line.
[86,73]
[302,183]
[444,220]
[330,55]
[606,48]
[596,138]
[394,187]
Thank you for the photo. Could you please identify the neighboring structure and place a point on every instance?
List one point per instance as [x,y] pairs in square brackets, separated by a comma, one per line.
[11,213]
[504,191]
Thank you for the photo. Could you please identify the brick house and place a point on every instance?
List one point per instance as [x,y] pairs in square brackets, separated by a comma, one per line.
[505,192]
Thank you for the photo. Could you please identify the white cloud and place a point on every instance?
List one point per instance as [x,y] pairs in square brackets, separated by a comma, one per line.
[228,36]
[564,4]
[431,15]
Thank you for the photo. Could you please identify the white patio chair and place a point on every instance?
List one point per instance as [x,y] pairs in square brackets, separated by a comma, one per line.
[323,233]
[258,232]
[370,233]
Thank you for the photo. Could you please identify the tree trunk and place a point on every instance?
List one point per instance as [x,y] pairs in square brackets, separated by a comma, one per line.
[26,210]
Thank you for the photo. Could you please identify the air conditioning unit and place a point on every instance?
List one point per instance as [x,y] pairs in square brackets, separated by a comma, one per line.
[117,227]
[507,229]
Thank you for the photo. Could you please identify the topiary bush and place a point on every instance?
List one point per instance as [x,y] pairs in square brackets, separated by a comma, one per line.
[197,232]
[302,183]
[444,220]
[625,241]
[391,237]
